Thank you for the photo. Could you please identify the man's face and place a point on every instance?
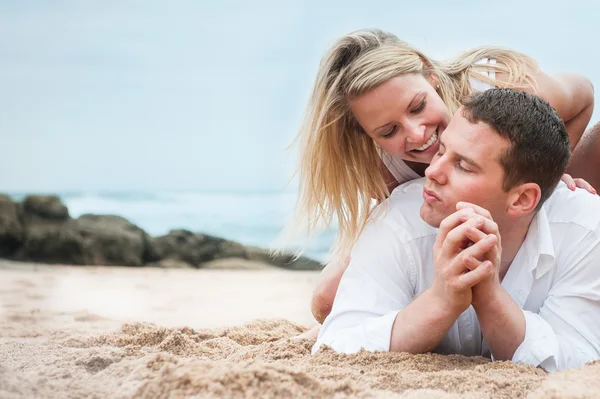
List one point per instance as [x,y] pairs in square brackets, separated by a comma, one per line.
[466,168]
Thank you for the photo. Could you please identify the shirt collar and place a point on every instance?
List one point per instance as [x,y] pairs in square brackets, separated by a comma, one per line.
[538,244]
[533,260]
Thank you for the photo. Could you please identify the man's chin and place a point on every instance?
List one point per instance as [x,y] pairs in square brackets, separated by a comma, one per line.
[430,216]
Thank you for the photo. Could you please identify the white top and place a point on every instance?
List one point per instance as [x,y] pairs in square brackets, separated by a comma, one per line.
[397,167]
[554,278]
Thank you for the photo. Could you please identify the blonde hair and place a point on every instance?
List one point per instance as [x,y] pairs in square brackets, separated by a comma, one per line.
[339,165]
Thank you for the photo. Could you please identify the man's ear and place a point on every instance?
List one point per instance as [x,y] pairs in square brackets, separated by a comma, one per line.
[523,198]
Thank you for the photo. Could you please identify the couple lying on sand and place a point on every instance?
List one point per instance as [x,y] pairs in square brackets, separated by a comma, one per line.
[489,253]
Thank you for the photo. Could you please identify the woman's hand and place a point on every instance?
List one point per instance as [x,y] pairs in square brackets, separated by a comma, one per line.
[577,183]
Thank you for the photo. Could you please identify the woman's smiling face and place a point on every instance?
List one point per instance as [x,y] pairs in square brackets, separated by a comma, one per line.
[404,115]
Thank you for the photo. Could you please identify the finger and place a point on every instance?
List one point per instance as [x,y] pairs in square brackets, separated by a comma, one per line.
[475,234]
[479,251]
[568,179]
[457,239]
[473,277]
[493,254]
[471,263]
[486,225]
[489,226]
[581,183]
[450,223]
[476,208]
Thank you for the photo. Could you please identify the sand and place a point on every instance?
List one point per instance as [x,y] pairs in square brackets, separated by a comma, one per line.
[74,332]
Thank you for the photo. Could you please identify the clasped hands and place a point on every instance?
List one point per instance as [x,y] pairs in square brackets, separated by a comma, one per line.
[467,255]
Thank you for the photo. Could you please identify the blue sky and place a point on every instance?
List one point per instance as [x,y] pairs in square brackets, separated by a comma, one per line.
[127,95]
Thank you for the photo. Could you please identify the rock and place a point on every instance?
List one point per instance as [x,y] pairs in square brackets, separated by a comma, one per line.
[44,207]
[52,243]
[286,261]
[195,248]
[230,249]
[48,237]
[40,229]
[198,249]
[112,240]
[12,233]
[53,237]
[183,245]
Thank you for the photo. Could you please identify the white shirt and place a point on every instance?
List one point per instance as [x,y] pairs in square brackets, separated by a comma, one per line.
[554,278]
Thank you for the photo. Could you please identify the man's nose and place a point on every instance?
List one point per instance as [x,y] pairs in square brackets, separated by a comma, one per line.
[436,171]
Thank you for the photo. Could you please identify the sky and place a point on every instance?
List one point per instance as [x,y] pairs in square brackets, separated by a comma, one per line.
[195,95]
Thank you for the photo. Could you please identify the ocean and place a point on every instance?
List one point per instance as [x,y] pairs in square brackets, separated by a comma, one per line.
[251,218]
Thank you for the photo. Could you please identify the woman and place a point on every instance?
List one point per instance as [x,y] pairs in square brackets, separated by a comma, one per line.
[374,120]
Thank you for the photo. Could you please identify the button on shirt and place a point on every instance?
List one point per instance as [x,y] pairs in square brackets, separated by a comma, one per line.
[554,278]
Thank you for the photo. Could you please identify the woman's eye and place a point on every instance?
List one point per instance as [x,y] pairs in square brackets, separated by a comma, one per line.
[390,133]
[419,107]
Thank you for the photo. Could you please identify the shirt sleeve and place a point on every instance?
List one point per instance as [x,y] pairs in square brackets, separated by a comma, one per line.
[377,284]
[566,332]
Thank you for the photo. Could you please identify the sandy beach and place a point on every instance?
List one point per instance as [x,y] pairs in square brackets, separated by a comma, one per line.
[227,331]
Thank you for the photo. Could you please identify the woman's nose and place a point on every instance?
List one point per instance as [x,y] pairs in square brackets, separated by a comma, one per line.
[415,133]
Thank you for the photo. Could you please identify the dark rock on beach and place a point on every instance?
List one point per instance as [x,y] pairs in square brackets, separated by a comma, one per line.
[12,233]
[52,236]
[47,236]
[195,248]
[40,229]
[113,240]
[51,243]
[46,208]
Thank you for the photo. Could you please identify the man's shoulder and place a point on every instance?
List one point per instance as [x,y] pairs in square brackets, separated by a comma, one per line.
[401,211]
[577,207]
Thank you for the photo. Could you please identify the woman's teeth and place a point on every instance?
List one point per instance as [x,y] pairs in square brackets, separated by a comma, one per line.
[429,143]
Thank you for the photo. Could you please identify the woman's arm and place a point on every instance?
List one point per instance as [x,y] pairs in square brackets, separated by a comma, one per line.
[327,286]
[585,160]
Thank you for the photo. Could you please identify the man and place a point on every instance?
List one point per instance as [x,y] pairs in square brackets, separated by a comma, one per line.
[503,275]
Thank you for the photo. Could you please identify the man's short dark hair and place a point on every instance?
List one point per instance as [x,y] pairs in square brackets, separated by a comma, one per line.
[540,148]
